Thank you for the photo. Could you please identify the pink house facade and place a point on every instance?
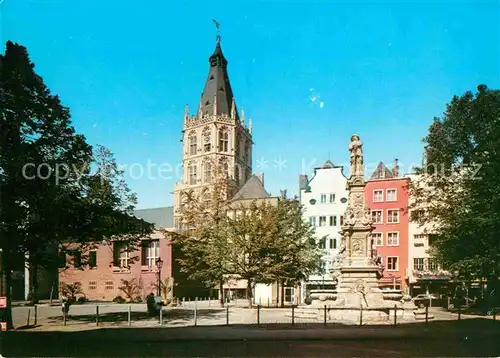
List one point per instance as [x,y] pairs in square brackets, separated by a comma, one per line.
[111,264]
[387,197]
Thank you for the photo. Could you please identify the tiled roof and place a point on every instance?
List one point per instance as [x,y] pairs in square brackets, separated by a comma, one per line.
[253,189]
[328,164]
[160,217]
[381,172]
[217,86]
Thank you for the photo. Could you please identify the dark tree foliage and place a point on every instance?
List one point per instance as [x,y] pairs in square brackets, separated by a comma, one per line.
[459,185]
[49,198]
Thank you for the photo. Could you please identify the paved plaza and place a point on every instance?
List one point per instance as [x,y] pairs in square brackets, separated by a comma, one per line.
[207,314]
[445,335]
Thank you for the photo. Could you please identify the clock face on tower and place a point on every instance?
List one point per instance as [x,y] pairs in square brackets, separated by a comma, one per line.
[343,200]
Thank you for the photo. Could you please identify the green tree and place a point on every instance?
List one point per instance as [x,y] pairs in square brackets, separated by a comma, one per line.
[257,241]
[201,243]
[251,233]
[296,255]
[48,196]
[459,185]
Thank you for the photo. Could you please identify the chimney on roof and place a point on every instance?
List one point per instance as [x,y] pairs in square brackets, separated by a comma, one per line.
[261,177]
[395,169]
[302,181]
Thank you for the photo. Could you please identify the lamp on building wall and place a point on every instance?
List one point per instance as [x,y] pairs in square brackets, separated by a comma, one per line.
[159,265]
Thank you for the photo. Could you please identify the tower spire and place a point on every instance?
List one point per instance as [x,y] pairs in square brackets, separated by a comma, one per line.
[217,87]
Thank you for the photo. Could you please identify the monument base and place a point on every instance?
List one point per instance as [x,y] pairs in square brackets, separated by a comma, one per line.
[358,287]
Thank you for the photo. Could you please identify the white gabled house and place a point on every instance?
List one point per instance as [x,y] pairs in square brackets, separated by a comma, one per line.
[324,198]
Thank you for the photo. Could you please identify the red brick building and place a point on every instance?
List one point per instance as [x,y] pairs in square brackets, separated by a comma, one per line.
[387,197]
[110,264]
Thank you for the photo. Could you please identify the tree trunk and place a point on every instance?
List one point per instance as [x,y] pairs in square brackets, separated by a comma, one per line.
[221,291]
[277,292]
[8,290]
[249,293]
[33,289]
[282,293]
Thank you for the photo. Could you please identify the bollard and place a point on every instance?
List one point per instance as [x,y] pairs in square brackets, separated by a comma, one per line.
[64,317]
[195,314]
[258,315]
[29,314]
[36,315]
[161,316]
[426,314]
[209,300]
[324,316]
[395,314]
[293,315]
[361,314]
[227,315]
[97,315]
[129,315]
[459,312]
[494,314]
[268,302]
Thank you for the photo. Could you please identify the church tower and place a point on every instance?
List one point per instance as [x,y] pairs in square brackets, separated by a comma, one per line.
[215,138]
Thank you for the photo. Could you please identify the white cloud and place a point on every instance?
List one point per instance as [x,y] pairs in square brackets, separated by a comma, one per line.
[315,97]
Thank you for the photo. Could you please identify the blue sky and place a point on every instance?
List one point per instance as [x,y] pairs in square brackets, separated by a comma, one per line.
[308,73]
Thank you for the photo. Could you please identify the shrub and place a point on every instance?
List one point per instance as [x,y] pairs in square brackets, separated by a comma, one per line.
[70,290]
[118,299]
[138,299]
[82,299]
[130,288]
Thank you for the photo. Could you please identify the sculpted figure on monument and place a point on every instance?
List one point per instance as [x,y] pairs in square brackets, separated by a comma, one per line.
[355,147]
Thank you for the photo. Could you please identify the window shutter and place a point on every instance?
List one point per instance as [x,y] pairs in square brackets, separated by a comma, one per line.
[144,247]
[116,254]
[93,258]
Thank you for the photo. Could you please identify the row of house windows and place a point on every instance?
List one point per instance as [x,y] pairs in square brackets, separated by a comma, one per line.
[150,252]
[326,220]
[392,263]
[332,243]
[424,263]
[419,240]
[324,197]
[392,238]
[378,216]
[390,195]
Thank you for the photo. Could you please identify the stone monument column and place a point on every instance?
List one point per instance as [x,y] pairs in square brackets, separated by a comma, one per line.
[357,270]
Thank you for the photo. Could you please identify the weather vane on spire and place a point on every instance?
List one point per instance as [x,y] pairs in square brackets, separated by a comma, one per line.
[217,25]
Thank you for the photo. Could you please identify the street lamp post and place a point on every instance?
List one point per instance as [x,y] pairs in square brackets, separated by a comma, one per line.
[159,265]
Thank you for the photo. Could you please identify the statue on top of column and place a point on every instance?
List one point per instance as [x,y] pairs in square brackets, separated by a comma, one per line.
[355,147]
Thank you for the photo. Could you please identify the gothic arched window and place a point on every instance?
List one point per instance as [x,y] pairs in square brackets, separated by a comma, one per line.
[192,174]
[224,168]
[223,140]
[237,175]
[237,146]
[207,140]
[207,172]
[192,144]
